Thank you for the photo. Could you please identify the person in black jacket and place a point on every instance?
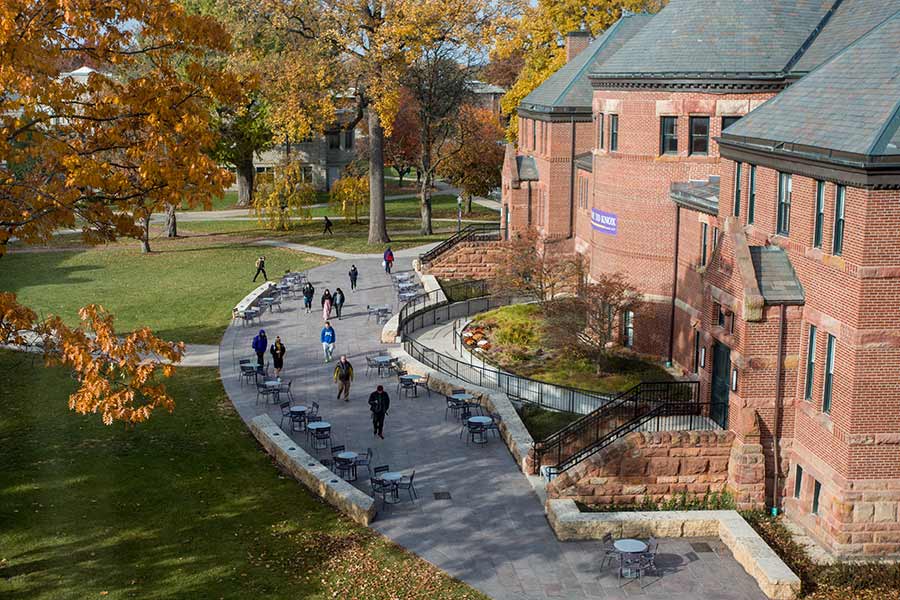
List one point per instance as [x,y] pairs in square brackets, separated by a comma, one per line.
[354,275]
[379,403]
[308,292]
[277,350]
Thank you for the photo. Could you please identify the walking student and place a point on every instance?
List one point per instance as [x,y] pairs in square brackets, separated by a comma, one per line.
[328,338]
[327,303]
[379,403]
[261,268]
[338,301]
[309,293]
[354,275]
[388,260]
[277,350]
[328,226]
[343,376]
[260,345]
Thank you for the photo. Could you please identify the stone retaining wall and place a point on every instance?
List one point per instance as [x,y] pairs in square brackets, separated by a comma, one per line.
[311,473]
[655,465]
[774,577]
[467,260]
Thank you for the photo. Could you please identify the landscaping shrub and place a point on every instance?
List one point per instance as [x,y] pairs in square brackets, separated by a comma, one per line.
[683,501]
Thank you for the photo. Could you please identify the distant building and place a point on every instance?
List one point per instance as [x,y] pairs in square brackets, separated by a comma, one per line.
[487,95]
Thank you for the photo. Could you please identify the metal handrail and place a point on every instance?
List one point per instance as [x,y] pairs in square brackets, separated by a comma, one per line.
[468,233]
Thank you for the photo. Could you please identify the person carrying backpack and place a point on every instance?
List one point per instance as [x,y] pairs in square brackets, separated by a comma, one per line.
[338,301]
[388,260]
[261,268]
[343,376]
[379,403]
[260,345]
[328,226]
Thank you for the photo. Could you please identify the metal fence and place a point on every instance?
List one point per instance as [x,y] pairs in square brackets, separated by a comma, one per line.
[478,232]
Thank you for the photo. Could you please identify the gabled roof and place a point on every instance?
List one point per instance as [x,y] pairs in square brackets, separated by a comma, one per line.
[719,37]
[702,196]
[585,161]
[851,20]
[775,276]
[569,87]
[847,110]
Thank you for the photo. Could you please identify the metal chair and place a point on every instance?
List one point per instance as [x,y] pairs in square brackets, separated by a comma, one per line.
[322,439]
[285,388]
[298,420]
[371,365]
[610,553]
[266,392]
[650,554]
[424,384]
[494,425]
[633,563]
[314,410]
[365,461]
[476,429]
[248,372]
[285,412]
[453,406]
[407,484]
[311,419]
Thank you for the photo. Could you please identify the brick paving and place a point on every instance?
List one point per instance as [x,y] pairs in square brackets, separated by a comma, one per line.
[492,532]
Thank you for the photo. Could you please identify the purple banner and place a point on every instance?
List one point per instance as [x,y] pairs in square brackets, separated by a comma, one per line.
[604,222]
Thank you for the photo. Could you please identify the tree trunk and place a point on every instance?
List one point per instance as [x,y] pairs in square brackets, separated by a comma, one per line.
[468,198]
[171,221]
[245,174]
[400,174]
[145,237]
[377,225]
[425,191]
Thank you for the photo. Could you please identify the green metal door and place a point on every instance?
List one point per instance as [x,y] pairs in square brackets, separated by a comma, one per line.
[721,369]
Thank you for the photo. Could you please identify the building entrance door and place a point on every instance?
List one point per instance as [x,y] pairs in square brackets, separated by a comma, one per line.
[721,368]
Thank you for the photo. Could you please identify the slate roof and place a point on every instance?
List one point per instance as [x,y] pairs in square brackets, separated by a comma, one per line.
[851,104]
[851,20]
[719,36]
[702,196]
[775,276]
[527,168]
[585,162]
[570,87]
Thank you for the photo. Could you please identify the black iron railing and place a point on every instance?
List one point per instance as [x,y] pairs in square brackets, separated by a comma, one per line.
[476,232]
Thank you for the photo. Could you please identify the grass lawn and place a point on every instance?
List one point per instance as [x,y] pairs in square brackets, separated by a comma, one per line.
[516,337]
[184,506]
[348,237]
[184,290]
[541,423]
[223,202]
[443,206]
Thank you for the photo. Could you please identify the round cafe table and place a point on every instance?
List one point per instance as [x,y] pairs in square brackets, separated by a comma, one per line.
[319,425]
[298,409]
[391,477]
[630,546]
[464,397]
[480,420]
[411,377]
[350,457]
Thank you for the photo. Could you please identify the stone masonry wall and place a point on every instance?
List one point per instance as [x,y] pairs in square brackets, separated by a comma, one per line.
[467,260]
[657,465]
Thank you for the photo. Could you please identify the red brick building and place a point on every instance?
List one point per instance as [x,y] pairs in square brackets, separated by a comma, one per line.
[746,179]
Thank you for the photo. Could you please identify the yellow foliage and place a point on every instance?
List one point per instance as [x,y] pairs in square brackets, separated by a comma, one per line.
[350,193]
[283,201]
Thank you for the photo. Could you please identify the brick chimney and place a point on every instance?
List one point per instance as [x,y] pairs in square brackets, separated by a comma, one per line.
[576,41]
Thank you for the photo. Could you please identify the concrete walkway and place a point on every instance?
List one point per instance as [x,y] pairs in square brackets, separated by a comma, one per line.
[491,532]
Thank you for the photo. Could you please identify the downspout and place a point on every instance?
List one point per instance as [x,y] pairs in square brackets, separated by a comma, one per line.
[529,205]
[674,287]
[778,391]
[572,184]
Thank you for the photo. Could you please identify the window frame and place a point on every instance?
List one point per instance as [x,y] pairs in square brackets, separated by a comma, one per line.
[697,351]
[704,232]
[628,329]
[751,195]
[670,137]
[817,491]
[696,137]
[828,387]
[735,117]
[798,481]
[840,206]
[614,133]
[738,172]
[600,132]
[819,220]
[810,378]
[783,208]
[533,134]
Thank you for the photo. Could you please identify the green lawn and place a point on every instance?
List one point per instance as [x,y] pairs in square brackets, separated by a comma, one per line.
[541,423]
[223,202]
[348,237]
[184,290]
[184,506]
[516,335]
[443,206]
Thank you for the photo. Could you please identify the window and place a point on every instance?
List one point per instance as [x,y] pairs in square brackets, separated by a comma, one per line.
[783,224]
[704,229]
[837,242]
[348,139]
[533,134]
[817,489]
[734,378]
[829,374]
[720,315]
[600,118]
[699,135]
[628,329]
[696,352]
[820,214]
[334,140]
[729,121]
[737,189]
[668,135]
[613,133]
[810,361]
[715,238]
[751,195]
[798,481]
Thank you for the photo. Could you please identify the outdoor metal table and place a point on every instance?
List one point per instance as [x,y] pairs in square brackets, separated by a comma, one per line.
[350,458]
[299,409]
[463,397]
[392,478]
[272,383]
[319,425]
[412,378]
[384,362]
[629,546]
[482,422]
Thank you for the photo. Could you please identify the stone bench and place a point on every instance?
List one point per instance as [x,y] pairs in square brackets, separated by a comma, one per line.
[774,577]
[251,299]
[311,473]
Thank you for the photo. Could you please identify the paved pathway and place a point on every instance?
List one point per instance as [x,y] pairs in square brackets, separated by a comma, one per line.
[492,532]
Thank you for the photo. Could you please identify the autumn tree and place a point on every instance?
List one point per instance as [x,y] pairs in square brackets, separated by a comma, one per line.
[243,131]
[349,194]
[524,268]
[285,199]
[99,149]
[475,159]
[537,32]
[401,147]
[592,317]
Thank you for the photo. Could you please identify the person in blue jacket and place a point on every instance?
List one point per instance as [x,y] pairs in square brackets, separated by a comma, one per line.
[260,346]
[328,339]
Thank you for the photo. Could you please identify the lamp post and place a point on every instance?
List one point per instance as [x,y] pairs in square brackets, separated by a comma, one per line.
[458,213]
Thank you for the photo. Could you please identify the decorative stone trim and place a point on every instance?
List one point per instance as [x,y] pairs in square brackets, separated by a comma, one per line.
[774,577]
[252,298]
[311,473]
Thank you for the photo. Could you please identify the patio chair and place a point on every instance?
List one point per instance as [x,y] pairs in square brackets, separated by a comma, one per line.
[276,301]
[285,412]
[407,385]
[453,406]
[365,460]
[371,365]
[381,469]
[314,410]
[248,372]
[265,392]
[298,421]
[424,383]
[285,388]
[322,439]
[476,429]
[494,425]
[633,563]
[311,419]
[380,486]
[610,554]
[336,449]
[407,484]
[650,554]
